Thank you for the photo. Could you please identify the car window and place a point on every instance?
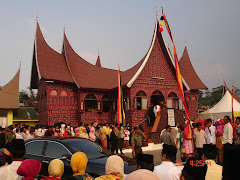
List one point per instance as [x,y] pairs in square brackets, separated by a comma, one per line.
[92,150]
[35,147]
[55,150]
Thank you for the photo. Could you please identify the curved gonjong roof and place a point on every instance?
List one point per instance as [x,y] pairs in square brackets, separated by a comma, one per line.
[72,68]
[189,73]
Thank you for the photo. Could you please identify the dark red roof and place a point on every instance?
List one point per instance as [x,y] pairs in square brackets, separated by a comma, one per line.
[51,64]
[87,75]
[70,67]
[188,72]
[98,62]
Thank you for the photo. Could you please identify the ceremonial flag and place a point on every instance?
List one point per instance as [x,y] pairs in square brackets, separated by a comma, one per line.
[187,133]
[178,74]
[119,101]
[232,105]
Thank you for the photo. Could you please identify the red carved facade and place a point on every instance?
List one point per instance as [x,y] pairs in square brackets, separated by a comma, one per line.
[63,95]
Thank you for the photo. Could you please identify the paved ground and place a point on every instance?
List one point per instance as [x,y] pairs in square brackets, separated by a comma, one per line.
[156,156]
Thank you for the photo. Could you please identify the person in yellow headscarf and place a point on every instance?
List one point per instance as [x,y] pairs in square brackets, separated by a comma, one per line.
[55,170]
[78,163]
[114,169]
[7,157]
[83,133]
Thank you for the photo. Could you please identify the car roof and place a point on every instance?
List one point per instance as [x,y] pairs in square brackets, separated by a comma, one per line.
[57,138]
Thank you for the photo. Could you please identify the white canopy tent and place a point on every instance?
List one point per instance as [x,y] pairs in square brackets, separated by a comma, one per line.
[221,109]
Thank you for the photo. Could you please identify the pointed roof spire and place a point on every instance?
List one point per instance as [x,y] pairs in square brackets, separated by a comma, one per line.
[156,13]
[189,73]
[36,17]
[98,62]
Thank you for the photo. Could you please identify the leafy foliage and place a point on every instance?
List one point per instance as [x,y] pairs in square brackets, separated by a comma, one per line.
[27,95]
[212,97]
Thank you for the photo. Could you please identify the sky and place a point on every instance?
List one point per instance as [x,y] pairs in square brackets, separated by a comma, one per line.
[122,31]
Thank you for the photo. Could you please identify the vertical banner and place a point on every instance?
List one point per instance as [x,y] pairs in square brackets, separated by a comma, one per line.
[178,74]
[119,101]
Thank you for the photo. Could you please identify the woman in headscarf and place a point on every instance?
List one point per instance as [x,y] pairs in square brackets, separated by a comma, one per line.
[219,134]
[104,138]
[142,174]
[78,163]
[29,169]
[84,133]
[6,153]
[92,136]
[114,169]
[55,170]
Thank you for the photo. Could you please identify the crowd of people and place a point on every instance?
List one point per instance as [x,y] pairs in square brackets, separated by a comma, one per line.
[111,136]
[194,169]
[207,144]
[200,153]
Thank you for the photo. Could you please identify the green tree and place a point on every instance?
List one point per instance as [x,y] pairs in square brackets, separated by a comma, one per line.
[23,96]
[211,97]
[28,95]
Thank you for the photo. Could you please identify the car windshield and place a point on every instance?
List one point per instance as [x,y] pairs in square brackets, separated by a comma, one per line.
[92,150]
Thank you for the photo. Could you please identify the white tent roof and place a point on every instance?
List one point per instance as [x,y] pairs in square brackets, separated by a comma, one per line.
[224,105]
[221,109]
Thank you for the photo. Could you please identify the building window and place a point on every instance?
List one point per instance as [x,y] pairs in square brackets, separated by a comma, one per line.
[141,100]
[107,103]
[172,101]
[53,93]
[63,93]
[90,103]
[73,93]
[126,105]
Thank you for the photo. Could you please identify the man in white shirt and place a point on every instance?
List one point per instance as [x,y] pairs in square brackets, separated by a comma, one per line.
[167,170]
[210,131]
[214,171]
[200,139]
[156,109]
[17,151]
[227,131]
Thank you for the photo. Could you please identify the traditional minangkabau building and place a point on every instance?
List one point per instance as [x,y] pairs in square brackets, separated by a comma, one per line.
[73,90]
[9,100]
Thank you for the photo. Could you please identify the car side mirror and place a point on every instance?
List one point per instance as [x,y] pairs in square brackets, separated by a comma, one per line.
[66,156]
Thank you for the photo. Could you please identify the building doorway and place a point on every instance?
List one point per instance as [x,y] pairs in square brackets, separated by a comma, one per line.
[157,98]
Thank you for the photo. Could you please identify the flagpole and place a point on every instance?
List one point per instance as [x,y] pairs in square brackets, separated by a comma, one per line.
[232,105]
[188,131]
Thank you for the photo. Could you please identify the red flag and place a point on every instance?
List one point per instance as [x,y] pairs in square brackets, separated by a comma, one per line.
[178,73]
[187,133]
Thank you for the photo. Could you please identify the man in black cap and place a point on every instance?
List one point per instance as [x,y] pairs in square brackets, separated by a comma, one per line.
[17,151]
[136,141]
[231,158]
[193,171]
[167,169]
[214,170]
[10,135]
[145,161]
